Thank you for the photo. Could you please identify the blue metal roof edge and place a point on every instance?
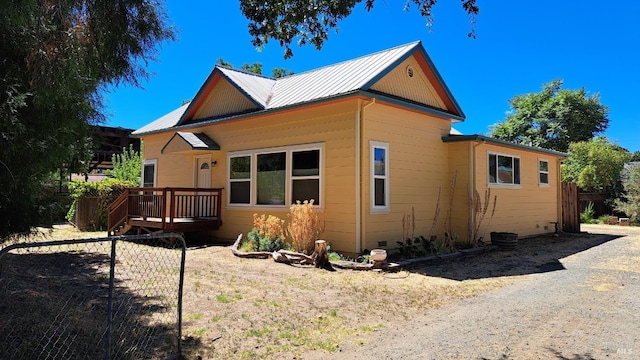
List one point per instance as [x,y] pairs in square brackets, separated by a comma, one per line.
[404,103]
[200,92]
[490,140]
[417,46]
[241,89]
[412,105]
[391,66]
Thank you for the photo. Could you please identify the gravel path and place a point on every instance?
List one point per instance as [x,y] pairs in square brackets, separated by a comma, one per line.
[586,306]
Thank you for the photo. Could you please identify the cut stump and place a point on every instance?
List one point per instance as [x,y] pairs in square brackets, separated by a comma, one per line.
[320,256]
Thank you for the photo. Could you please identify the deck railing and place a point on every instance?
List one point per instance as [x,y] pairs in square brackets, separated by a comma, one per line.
[163,206]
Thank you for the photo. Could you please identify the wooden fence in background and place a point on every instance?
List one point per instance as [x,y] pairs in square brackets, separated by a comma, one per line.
[570,207]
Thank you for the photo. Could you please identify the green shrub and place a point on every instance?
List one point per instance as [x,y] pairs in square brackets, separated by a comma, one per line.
[107,191]
[262,243]
[586,216]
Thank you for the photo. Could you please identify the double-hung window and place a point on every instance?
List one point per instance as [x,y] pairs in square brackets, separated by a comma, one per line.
[276,177]
[240,179]
[543,171]
[504,169]
[379,176]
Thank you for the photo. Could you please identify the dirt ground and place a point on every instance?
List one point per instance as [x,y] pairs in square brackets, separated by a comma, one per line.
[581,305]
[237,308]
[248,308]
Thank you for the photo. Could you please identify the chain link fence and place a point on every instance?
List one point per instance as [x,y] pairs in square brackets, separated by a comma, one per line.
[110,298]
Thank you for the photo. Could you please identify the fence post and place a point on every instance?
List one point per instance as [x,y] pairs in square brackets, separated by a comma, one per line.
[107,334]
[182,242]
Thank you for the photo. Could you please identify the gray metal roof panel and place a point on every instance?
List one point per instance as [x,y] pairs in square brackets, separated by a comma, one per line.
[335,79]
[199,140]
[311,86]
[169,120]
[255,86]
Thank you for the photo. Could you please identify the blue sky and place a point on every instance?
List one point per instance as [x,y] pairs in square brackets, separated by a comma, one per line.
[520,45]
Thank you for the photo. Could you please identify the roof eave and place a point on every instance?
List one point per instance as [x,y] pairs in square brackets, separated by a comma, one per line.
[368,94]
[490,140]
[460,116]
[413,106]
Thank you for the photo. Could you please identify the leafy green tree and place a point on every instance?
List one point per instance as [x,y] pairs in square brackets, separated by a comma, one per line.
[56,59]
[310,21]
[127,166]
[635,156]
[256,68]
[277,73]
[630,202]
[553,118]
[594,165]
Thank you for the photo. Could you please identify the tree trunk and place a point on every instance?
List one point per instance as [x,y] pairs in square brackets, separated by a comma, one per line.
[320,256]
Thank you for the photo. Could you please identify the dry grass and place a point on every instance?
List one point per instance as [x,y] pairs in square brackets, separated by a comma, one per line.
[248,308]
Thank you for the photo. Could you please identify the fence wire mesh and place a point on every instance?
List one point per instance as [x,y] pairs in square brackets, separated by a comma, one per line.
[110,298]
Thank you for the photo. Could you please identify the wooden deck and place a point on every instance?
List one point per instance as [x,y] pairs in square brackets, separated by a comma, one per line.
[152,210]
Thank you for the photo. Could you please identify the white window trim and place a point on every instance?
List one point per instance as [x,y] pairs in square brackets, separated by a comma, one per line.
[372,186]
[253,185]
[498,184]
[153,162]
[543,172]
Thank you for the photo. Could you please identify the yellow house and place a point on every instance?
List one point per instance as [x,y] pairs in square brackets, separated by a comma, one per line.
[368,139]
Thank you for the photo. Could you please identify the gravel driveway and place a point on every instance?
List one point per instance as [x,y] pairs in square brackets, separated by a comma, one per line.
[585,305]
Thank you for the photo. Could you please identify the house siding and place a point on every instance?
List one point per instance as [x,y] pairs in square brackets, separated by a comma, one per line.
[528,209]
[331,124]
[418,168]
[224,99]
[416,88]
[459,169]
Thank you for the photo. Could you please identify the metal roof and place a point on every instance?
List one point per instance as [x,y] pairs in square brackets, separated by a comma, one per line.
[167,121]
[347,77]
[490,140]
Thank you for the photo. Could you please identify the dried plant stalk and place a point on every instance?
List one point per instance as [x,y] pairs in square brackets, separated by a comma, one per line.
[451,237]
[436,215]
[304,226]
[409,224]
[480,211]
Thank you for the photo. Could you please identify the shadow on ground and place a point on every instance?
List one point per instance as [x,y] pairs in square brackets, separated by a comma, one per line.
[532,255]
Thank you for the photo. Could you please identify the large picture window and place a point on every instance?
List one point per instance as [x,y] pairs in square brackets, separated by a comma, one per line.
[276,177]
[504,169]
[379,176]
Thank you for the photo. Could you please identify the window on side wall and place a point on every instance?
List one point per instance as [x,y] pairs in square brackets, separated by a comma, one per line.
[543,171]
[276,177]
[149,173]
[379,176]
[504,169]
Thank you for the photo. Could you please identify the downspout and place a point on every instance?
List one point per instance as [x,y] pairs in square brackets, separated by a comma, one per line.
[359,189]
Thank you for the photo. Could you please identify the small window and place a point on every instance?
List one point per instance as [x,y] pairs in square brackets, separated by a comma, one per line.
[379,176]
[543,170]
[149,173]
[504,169]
